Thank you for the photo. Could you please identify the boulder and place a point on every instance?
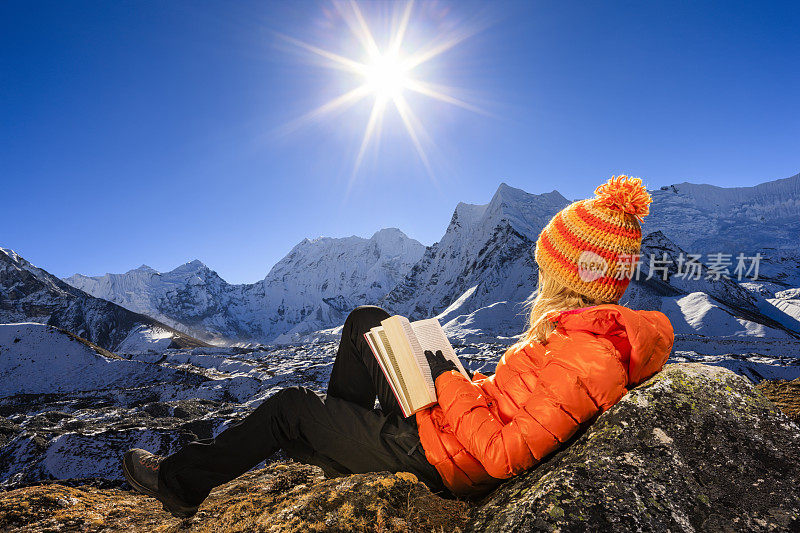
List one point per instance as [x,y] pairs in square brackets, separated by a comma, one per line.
[695,448]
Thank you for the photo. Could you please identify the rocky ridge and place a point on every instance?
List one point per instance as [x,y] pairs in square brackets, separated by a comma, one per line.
[31,294]
[695,448]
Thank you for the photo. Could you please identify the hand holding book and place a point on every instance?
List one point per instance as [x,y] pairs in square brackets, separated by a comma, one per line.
[439,364]
[399,347]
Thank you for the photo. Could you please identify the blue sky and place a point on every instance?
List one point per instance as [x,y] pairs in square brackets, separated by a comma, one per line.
[155,132]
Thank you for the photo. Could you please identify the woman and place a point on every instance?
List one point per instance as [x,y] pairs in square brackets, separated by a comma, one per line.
[579,355]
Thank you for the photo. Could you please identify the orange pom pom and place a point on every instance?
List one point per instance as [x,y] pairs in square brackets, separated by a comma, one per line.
[626,194]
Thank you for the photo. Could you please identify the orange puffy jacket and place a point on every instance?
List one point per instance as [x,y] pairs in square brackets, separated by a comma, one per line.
[492,428]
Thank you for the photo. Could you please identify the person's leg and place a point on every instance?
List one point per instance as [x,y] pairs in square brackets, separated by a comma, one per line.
[338,435]
[356,375]
[344,438]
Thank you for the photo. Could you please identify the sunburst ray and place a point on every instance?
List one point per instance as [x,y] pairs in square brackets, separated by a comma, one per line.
[386,75]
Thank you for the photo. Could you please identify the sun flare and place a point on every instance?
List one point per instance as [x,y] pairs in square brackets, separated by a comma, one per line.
[385,76]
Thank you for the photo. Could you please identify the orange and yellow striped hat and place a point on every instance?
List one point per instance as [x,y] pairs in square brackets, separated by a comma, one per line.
[592,246]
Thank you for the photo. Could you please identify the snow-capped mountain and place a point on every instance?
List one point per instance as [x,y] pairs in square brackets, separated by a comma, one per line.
[763,219]
[477,277]
[313,287]
[191,298]
[31,294]
[320,281]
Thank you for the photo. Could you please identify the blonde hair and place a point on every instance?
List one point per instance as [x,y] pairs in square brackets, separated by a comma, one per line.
[549,297]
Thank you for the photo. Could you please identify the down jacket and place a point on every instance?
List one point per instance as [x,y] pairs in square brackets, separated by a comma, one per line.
[492,428]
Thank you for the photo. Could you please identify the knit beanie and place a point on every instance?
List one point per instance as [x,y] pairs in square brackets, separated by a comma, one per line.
[592,245]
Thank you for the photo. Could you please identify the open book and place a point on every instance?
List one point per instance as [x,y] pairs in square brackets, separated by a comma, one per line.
[399,347]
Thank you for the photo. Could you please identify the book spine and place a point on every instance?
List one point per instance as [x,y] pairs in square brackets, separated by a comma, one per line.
[386,374]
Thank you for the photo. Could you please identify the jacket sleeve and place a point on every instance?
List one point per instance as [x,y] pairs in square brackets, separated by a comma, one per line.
[576,383]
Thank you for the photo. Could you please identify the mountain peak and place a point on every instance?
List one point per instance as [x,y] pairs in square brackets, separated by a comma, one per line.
[384,233]
[143,268]
[506,191]
[192,266]
[11,254]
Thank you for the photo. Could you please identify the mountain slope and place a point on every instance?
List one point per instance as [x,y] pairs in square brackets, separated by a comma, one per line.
[484,257]
[40,359]
[31,294]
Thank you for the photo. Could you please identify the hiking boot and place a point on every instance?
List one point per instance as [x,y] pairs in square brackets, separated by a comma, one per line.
[141,470]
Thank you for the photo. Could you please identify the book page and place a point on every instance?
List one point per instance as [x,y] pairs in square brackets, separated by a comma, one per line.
[377,347]
[395,368]
[387,356]
[430,336]
[401,336]
[419,356]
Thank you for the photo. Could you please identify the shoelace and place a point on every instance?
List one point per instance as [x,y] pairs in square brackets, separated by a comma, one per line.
[150,461]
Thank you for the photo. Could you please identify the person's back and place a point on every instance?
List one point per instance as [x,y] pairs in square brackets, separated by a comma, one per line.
[575,361]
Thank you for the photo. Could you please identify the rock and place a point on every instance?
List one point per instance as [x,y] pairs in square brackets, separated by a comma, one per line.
[695,448]
[284,496]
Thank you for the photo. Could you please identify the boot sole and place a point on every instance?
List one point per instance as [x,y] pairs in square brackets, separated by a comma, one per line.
[177,513]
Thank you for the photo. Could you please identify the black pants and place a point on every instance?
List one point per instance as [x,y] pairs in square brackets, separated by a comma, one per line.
[340,431]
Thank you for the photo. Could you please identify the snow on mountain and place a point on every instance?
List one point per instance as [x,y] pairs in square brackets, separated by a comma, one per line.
[779,268]
[31,294]
[314,286]
[504,321]
[191,298]
[787,306]
[337,276]
[144,338]
[708,218]
[40,359]
[699,313]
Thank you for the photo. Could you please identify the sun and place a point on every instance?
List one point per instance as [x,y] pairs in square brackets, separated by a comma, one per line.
[386,75]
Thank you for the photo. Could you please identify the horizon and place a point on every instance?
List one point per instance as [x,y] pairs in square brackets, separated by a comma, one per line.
[150,134]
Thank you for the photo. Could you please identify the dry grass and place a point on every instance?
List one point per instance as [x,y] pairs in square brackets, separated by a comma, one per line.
[784,394]
[282,497]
